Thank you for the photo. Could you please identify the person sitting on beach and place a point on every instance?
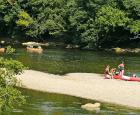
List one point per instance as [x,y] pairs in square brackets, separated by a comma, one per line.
[134,75]
[39,47]
[113,72]
[29,46]
[108,75]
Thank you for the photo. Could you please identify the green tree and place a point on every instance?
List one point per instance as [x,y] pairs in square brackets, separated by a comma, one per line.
[8,13]
[24,19]
[134,26]
[110,19]
[48,17]
[82,22]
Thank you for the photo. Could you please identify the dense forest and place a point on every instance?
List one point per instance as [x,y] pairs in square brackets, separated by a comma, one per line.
[87,23]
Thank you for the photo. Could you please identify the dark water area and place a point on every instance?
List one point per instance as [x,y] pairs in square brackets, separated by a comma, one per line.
[61,61]
[39,103]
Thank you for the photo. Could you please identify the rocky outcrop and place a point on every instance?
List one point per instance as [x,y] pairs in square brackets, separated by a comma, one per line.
[118,50]
[136,50]
[70,46]
[91,107]
[125,50]
[35,44]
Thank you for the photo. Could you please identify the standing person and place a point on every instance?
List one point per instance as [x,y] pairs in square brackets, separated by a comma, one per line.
[121,72]
[121,69]
[108,75]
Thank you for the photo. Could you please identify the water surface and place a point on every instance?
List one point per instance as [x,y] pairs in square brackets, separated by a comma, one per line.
[39,103]
[61,61]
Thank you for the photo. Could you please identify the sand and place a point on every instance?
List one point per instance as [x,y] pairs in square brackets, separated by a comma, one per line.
[85,85]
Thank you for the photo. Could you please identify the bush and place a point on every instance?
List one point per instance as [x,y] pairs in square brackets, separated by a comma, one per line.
[12,65]
[9,95]
[10,50]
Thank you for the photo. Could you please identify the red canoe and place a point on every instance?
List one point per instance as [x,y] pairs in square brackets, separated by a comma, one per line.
[134,79]
[130,78]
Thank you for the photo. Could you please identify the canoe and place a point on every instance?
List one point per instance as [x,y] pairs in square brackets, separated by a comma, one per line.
[127,78]
[134,79]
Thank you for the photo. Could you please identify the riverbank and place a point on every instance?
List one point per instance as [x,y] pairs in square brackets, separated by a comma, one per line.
[85,85]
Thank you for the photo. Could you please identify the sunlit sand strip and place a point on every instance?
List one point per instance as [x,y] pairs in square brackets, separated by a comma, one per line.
[85,85]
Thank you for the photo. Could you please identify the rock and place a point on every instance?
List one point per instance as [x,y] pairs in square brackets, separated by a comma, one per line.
[2,42]
[126,50]
[118,50]
[76,46]
[107,49]
[70,46]
[35,44]
[91,107]
[137,50]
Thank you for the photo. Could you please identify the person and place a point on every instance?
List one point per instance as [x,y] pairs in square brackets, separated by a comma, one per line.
[113,72]
[117,75]
[108,75]
[39,47]
[121,69]
[121,72]
[134,75]
[29,46]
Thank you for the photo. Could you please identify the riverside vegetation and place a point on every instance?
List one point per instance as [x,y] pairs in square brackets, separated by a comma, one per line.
[10,96]
[90,23]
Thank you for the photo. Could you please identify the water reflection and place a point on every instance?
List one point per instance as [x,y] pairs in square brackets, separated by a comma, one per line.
[39,103]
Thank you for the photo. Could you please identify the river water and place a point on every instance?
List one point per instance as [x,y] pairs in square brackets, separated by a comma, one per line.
[61,61]
[39,103]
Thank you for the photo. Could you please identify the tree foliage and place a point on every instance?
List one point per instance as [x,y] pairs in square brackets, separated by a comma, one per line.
[82,22]
[109,16]
[134,26]
[24,19]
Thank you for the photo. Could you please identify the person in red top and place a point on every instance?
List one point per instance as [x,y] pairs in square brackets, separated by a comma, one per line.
[121,69]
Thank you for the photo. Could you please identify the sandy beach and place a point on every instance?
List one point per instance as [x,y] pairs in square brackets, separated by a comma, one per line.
[85,85]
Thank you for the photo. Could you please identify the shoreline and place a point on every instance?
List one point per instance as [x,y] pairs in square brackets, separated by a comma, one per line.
[85,85]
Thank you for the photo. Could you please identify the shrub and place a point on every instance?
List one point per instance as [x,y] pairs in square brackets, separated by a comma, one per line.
[9,95]
[10,50]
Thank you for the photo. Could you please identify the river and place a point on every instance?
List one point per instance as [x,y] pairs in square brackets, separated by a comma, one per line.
[61,61]
[39,103]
